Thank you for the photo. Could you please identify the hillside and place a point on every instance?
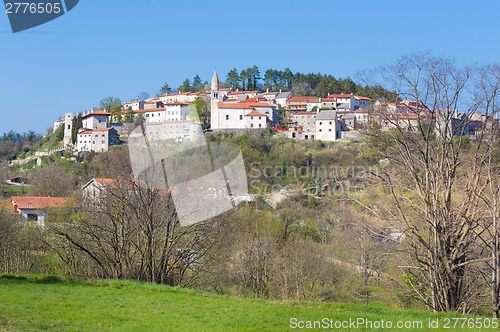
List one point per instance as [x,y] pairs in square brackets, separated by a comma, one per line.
[33,303]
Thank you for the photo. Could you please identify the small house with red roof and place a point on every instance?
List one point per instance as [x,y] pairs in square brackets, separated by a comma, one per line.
[33,208]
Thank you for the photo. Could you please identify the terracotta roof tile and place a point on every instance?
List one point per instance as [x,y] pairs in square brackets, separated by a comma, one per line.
[234,105]
[98,112]
[255,113]
[35,203]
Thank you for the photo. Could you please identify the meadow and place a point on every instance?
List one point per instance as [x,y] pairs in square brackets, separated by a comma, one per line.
[51,303]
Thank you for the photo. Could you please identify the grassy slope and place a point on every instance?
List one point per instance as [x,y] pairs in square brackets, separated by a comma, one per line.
[9,190]
[132,306]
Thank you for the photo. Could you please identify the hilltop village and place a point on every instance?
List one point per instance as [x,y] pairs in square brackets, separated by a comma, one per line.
[334,117]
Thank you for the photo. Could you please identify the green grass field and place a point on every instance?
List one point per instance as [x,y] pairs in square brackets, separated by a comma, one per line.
[8,190]
[47,303]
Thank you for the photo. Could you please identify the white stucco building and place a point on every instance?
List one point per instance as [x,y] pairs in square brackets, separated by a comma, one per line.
[133,105]
[173,111]
[327,126]
[95,119]
[98,139]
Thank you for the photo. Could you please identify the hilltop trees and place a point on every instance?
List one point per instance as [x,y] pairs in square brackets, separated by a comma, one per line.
[185,86]
[112,105]
[13,143]
[77,123]
[299,83]
[165,89]
[233,79]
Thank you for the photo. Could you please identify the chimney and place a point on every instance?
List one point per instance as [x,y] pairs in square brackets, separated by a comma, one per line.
[280,90]
[267,90]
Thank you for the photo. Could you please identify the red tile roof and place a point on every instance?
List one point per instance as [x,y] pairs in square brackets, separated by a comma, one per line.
[103,129]
[303,99]
[255,113]
[104,181]
[234,105]
[256,104]
[35,203]
[98,112]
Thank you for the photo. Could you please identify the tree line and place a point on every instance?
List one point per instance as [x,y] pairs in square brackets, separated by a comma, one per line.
[13,143]
[310,84]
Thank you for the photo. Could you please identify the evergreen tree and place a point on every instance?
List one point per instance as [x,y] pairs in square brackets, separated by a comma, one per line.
[77,123]
[197,84]
[255,77]
[186,86]
[165,89]
[233,79]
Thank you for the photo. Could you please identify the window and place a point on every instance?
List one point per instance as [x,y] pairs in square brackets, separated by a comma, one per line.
[32,217]
[103,142]
[93,142]
[329,130]
[260,125]
[330,122]
[251,125]
[103,135]
[241,117]
[321,130]
[227,116]
[147,115]
[260,117]
[320,123]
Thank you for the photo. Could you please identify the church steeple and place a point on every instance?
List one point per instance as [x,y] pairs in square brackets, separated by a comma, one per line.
[215,82]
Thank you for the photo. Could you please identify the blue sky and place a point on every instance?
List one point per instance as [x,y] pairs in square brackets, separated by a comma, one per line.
[120,48]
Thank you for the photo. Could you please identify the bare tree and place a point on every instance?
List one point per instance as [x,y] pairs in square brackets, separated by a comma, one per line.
[52,181]
[435,176]
[130,231]
[488,87]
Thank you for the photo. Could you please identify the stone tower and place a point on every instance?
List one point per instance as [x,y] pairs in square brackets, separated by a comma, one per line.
[215,97]
[68,126]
